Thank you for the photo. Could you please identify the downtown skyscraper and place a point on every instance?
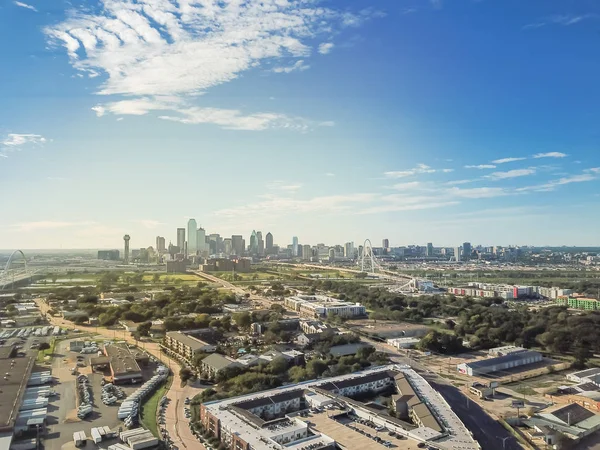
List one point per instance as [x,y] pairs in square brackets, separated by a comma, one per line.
[192,227]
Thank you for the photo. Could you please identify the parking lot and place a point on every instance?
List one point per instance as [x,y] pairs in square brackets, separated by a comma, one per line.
[351,433]
[62,413]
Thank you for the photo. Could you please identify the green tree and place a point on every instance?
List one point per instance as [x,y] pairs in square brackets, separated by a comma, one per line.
[243,319]
[297,374]
[316,367]
[278,366]
[44,346]
[143,329]
[185,374]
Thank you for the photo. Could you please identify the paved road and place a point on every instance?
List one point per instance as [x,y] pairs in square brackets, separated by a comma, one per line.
[488,432]
[176,423]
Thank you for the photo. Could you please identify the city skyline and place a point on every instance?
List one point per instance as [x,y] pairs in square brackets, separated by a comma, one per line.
[415,121]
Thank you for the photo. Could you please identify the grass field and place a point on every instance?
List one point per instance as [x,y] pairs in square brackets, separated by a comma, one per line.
[173,276]
[150,407]
[48,352]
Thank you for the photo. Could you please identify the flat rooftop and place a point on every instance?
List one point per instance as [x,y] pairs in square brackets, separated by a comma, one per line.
[458,436]
[121,360]
[13,387]
[191,341]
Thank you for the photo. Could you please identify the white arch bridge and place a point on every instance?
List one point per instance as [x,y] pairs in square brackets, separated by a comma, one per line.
[15,271]
[369,264]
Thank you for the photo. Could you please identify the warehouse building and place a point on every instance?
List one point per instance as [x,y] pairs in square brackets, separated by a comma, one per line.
[498,364]
[123,365]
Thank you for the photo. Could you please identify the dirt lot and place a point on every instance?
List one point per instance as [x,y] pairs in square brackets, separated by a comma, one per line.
[388,330]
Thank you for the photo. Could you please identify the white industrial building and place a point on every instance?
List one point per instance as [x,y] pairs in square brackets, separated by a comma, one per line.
[500,363]
[316,306]
[403,342]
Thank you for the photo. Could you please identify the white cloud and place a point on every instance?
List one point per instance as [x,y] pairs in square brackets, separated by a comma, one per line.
[25,5]
[232,119]
[447,170]
[325,47]
[330,174]
[279,185]
[13,142]
[297,66]
[550,155]
[595,170]
[552,185]
[480,192]
[507,160]
[560,19]
[511,174]
[421,168]
[155,48]
[481,166]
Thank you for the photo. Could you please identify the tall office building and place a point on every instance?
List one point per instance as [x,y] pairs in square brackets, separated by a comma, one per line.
[306,252]
[269,243]
[160,244]
[237,243]
[126,254]
[295,246]
[216,245]
[457,254]
[261,243]
[253,249]
[429,249]
[467,250]
[385,244]
[227,246]
[192,236]
[349,249]
[201,240]
[181,238]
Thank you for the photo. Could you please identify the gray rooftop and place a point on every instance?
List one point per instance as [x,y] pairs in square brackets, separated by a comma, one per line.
[502,359]
[218,362]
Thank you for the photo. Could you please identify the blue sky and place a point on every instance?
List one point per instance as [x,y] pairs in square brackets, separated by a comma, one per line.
[419,121]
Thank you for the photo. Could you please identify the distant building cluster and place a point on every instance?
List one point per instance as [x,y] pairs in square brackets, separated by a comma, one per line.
[578,302]
[507,291]
[320,306]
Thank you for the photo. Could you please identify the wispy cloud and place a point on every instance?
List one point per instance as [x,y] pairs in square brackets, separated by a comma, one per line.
[330,174]
[588,175]
[297,66]
[481,166]
[550,155]
[507,160]
[279,185]
[479,192]
[151,50]
[26,6]
[14,142]
[419,169]
[326,47]
[511,174]
[560,19]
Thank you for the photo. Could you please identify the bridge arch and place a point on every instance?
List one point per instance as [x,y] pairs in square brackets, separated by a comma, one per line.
[10,258]
[367,261]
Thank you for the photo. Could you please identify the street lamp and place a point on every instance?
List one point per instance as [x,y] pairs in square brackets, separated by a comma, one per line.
[503,441]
